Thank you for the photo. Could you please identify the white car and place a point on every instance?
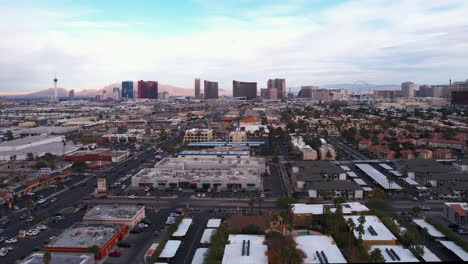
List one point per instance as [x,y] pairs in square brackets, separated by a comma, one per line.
[198,194]
[41,201]
[203,195]
[262,195]
[142,225]
[15,207]
[42,227]
[132,196]
[147,189]
[124,186]
[11,240]
[3,252]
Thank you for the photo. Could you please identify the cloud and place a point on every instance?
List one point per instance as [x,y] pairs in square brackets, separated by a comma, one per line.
[376,41]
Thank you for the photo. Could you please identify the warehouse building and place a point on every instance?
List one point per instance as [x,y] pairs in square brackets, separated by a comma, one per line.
[125,214]
[227,172]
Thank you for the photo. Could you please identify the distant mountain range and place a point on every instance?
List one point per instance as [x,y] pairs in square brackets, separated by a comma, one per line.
[106,90]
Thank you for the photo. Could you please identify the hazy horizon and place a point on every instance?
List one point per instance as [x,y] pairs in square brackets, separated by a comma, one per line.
[91,44]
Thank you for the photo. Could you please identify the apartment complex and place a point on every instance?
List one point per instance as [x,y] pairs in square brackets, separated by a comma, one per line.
[198,135]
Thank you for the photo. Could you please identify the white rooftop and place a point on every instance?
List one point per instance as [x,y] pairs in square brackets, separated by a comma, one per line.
[206,237]
[411,181]
[213,223]
[367,189]
[183,227]
[255,254]
[346,168]
[460,252]
[360,181]
[396,173]
[311,244]
[385,166]
[378,177]
[199,256]
[351,174]
[404,254]
[317,209]
[430,228]
[382,232]
[428,256]
[170,249]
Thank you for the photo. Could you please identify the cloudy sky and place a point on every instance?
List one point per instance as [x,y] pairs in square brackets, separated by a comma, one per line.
[91,43]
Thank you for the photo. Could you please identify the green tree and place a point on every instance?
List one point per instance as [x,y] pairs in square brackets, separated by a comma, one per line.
[9,135]
[40,164]
[377,193]
[79,164]
[284,202]
[30,156]
[94,249]
[376,256]
[47,258]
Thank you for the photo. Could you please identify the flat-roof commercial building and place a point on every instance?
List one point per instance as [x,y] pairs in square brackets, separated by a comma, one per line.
[80,237]
[228,172]
[245,249]
[60,258]
[303,213]
[244,89]
[99,154]
[375,232]
[127,214]
[210,89]
[37,145]
[319,249]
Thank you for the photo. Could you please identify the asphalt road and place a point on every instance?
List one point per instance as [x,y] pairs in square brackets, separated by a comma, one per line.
[76,189]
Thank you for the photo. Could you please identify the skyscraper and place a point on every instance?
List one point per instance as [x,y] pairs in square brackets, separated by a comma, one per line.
[407,89]
[116,93]
[279,84]
[127,89]
[147,90]
[244,89]
[197,89]
[210,89]
[71,94]
[269,93]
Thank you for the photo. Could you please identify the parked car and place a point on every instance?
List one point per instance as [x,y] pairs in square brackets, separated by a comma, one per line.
[146,221]
[53,200]
[425,208]
[23,216]
[41,201]
[44,205]
[11,240]
[30,219]
[114,254]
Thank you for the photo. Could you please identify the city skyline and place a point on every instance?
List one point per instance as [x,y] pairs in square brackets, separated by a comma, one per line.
[322,42]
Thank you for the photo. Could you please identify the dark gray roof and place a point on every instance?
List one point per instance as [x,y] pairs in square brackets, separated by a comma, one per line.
[335,185]
[319,166]
[449,188]
[437,176]
[425,165]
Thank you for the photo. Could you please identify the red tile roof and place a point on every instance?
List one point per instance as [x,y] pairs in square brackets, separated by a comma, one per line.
[458,209]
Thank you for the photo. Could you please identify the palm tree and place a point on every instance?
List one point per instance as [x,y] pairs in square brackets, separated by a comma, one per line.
[251,205]
[157,195]
[390,182]
[376,256]
[360,230]
[47,258]
[362,220]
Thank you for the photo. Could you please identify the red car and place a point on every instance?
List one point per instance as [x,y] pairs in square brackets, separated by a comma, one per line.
[115,254]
